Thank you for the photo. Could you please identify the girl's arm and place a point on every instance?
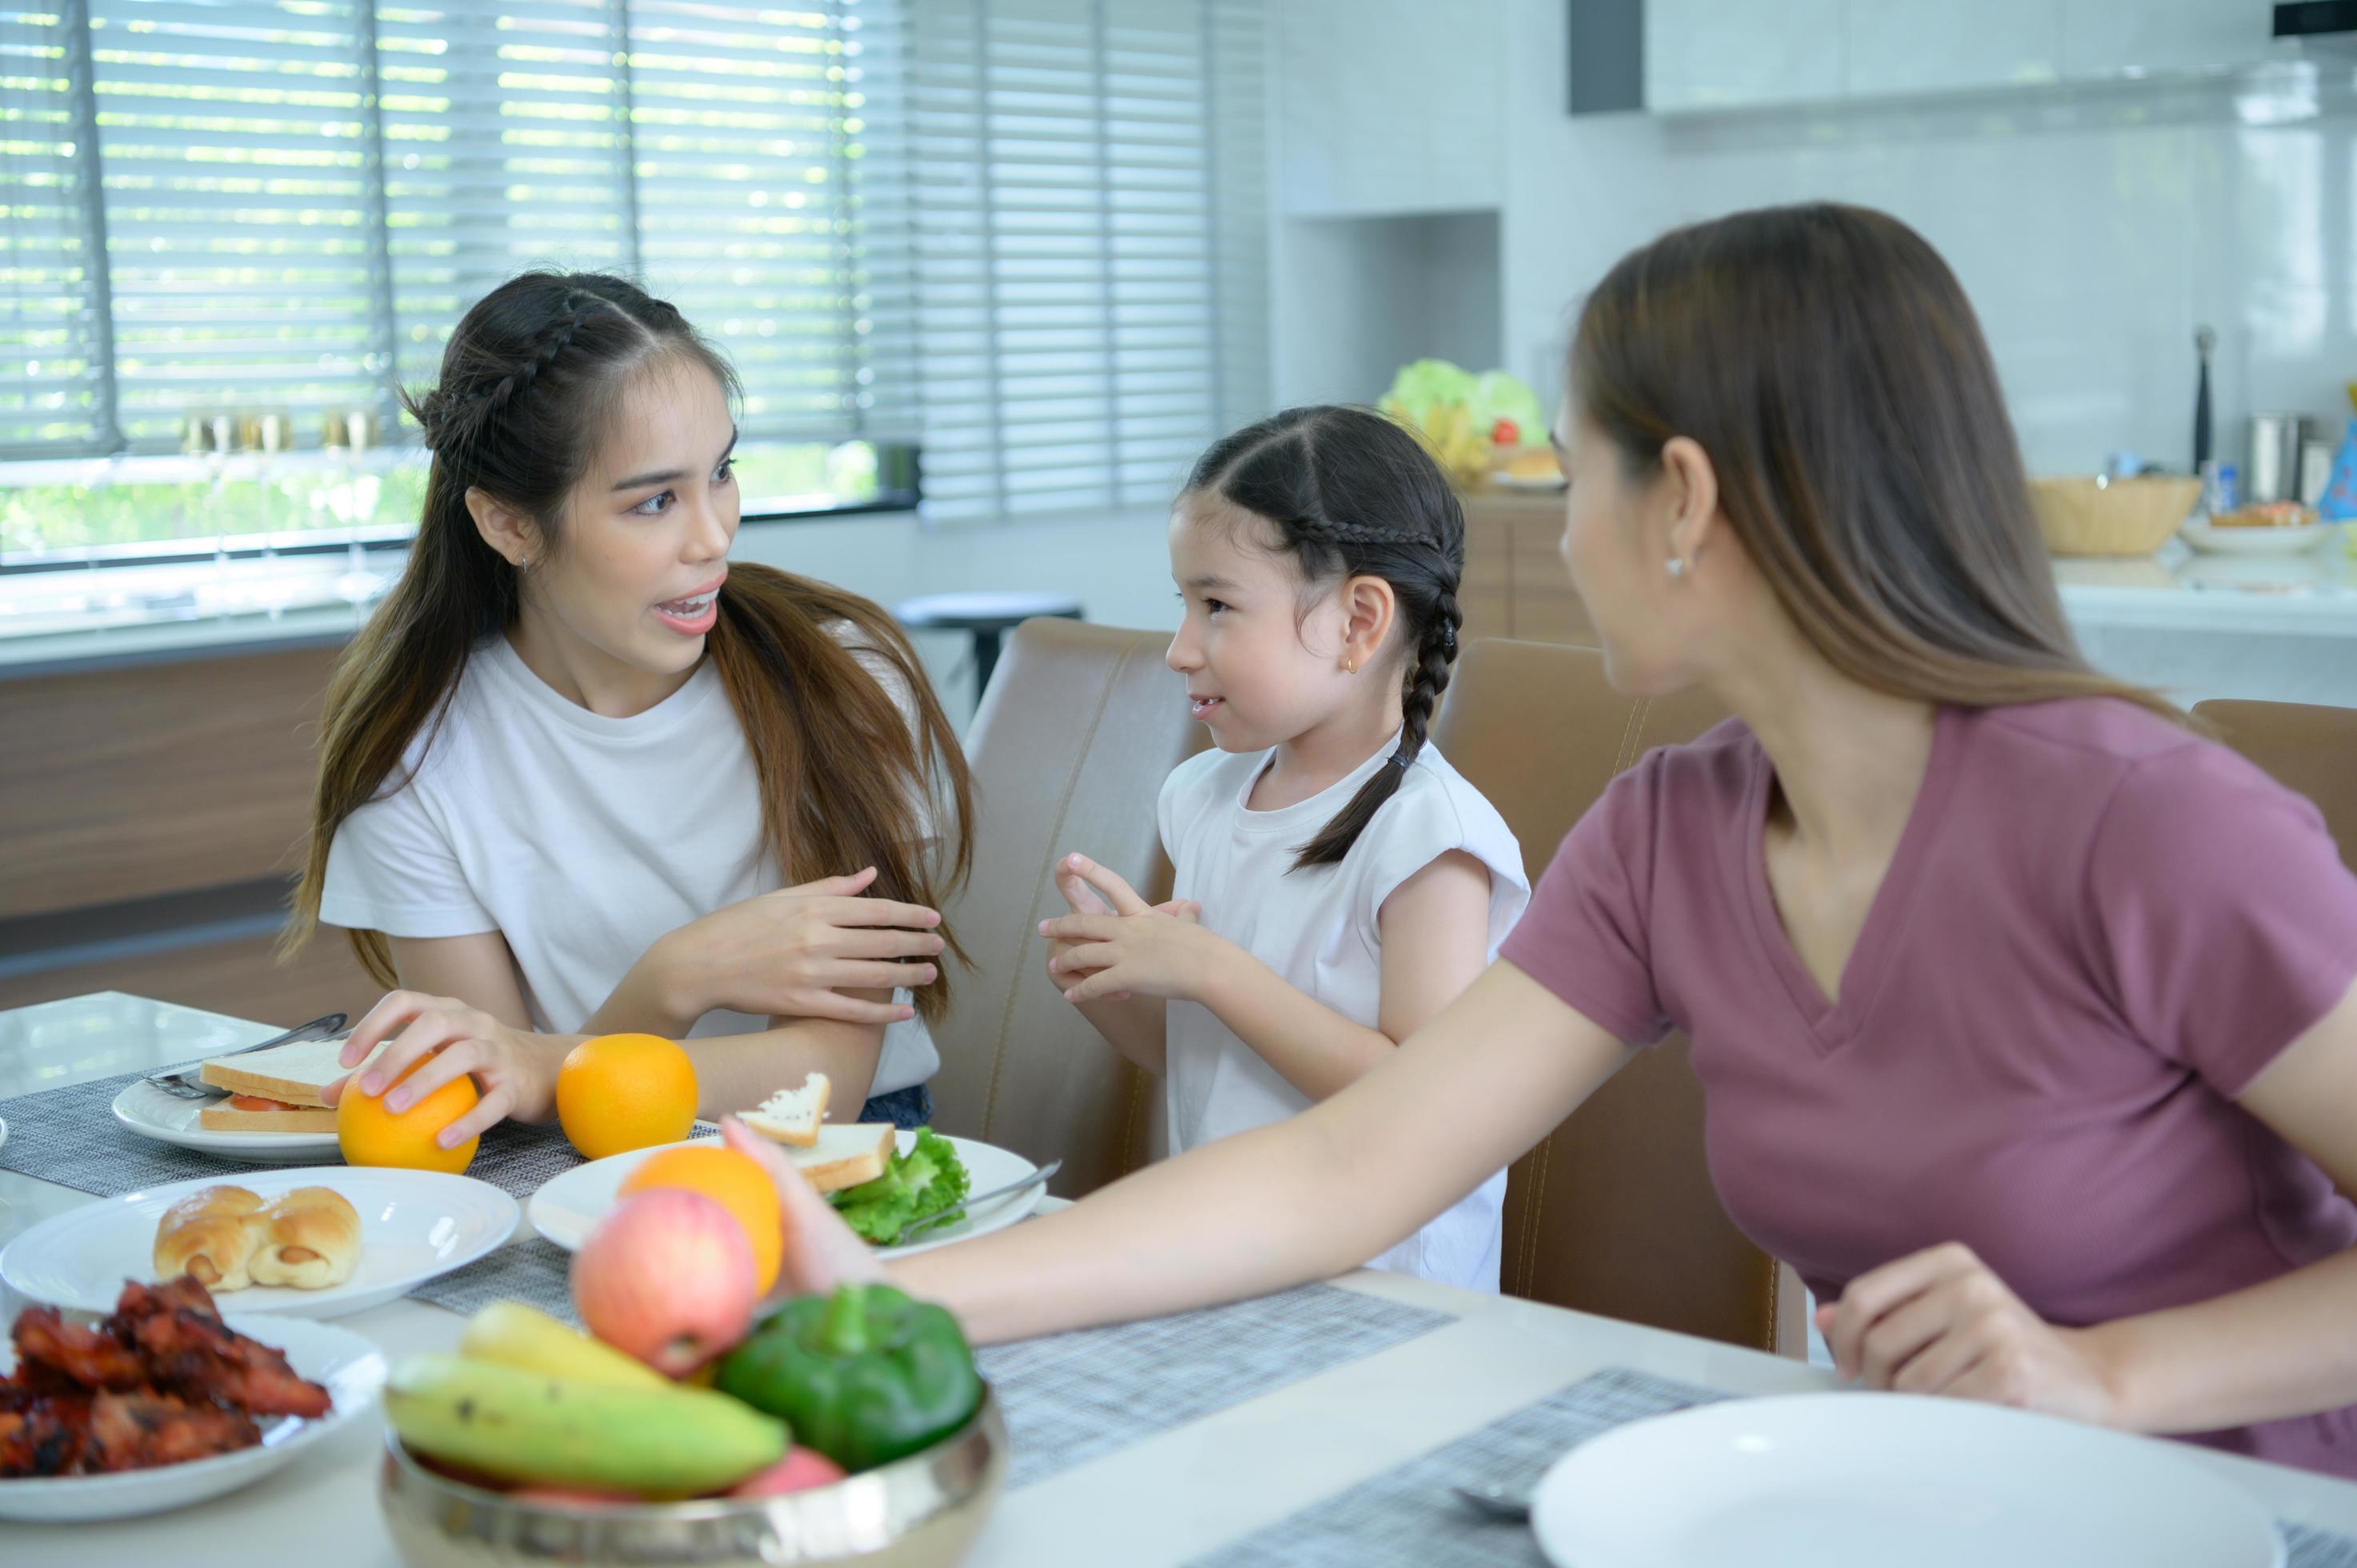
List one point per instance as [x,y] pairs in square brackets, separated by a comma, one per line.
[1941,1321]
[1435,930]
[1301,1200]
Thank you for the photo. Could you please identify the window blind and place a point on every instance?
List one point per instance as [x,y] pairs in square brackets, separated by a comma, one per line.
[54,392]
[1090,236]
[245,266]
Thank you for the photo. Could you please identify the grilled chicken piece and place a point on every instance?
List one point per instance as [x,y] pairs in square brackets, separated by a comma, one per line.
[141,1431]
[195,1356]
[88,1358]
[41,1434]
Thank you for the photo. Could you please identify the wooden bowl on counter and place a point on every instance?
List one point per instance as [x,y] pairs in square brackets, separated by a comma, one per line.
[2098,516]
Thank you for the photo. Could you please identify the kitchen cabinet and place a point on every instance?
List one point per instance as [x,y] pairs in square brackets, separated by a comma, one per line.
[2107,38]
[1703,55]
[1729,54]
[1515,584]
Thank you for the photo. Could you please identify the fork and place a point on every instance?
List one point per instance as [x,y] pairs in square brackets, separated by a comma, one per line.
[954,1210]
[177,1082]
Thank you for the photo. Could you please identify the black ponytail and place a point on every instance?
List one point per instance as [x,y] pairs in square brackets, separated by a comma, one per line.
[1350,493]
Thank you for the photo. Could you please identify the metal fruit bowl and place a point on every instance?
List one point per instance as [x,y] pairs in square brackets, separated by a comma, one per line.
[923,1511]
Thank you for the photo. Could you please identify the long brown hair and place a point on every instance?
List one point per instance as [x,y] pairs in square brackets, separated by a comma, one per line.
[1351,493]
[1829,363]
[529,379]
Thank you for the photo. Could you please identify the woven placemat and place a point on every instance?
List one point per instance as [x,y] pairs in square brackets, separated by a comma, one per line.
[70,1136]
[1071,1398]
[1409,1517]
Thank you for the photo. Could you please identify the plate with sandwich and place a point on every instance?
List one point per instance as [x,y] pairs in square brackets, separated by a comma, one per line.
[305,1242]
[271,1109]
[879,1178]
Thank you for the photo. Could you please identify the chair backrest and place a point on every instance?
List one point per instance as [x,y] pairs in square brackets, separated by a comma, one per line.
[1614,1211]
[1069,750]
[2301,746]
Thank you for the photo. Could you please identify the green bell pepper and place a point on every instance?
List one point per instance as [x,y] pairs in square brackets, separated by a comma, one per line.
[865,1375]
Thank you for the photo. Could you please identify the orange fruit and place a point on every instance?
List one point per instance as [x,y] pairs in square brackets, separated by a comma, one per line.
[619,1092]
[368,1134]
[736,1182]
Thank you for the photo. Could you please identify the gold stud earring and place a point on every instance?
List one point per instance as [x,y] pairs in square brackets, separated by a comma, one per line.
[1351,666]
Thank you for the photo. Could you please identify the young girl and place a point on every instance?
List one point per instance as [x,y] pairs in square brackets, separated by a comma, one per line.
[572,764]
[1337,881]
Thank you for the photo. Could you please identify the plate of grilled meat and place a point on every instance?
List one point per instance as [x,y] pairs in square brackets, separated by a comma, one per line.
[165,1403]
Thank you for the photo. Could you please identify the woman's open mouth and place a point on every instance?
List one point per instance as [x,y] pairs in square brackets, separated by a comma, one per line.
[694,615]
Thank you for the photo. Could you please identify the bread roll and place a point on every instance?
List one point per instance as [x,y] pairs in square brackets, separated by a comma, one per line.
[211,1235]
[310,1239]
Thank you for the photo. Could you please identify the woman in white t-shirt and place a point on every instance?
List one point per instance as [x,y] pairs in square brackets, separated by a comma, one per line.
[1338,882]
[572,765]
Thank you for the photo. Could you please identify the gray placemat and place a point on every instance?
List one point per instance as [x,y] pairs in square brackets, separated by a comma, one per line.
[70,1136]
[1407,1516]
[1071,1398]
[532,1271]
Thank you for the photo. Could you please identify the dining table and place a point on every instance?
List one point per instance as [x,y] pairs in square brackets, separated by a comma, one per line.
[1328,1425]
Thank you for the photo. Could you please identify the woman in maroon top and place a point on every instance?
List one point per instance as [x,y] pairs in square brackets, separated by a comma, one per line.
[2022,1014]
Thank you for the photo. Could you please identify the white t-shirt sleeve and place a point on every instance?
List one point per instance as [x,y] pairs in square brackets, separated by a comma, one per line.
[1426,820]
[391,868]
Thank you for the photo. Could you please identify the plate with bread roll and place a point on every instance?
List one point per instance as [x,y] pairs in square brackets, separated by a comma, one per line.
[882,1181]
[270,1108]
[305,1242]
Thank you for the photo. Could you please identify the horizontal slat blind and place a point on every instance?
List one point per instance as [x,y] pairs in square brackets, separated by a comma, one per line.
[505,149]
[1086,325]
[53,386]
[238,173]
[759,174]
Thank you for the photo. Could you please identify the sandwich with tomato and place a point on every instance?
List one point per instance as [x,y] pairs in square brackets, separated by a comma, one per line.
[276,1090]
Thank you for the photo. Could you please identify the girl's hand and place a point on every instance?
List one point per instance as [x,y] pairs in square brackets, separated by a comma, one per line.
[514,1071]
[792,953]
[1941,1322]
[1132,949]
[821,1251]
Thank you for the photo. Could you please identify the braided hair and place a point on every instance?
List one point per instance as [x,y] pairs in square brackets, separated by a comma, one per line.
[1350,493]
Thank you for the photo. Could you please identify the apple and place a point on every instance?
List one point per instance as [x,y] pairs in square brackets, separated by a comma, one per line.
[666,1276]
[801,1470]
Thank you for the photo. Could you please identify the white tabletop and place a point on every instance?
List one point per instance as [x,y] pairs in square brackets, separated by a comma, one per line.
[1159,1502]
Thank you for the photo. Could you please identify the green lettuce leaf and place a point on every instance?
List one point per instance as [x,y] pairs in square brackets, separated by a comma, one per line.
[917,1184]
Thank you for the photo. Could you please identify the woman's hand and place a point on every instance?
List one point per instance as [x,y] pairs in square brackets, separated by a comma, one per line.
[821,1251]
[793,953]
[1116,945]
[1941,1322]
[515,1071]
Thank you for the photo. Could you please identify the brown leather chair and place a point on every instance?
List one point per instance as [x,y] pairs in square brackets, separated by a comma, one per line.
[2308,749]
[1069,750]
[1613,1212]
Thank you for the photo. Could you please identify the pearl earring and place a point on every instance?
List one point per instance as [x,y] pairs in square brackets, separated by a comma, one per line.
[1677,566]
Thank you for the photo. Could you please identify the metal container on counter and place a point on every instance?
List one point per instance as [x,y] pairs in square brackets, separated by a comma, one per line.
[2273,472]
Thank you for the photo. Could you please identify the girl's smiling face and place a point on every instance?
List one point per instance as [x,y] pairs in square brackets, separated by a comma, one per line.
[1261,666]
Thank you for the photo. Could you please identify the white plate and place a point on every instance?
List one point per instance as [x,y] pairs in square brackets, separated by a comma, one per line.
[2202,535]
[1859,1480]
[571,1205]
[350,1368]
[415,1225]
[166,1118]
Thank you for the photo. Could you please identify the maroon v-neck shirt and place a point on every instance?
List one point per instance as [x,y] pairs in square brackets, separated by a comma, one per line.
[2096,931]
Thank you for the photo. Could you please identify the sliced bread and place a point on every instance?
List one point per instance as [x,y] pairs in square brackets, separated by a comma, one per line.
[293,1074]
[846,1155]
[792,1116]
[224,1117]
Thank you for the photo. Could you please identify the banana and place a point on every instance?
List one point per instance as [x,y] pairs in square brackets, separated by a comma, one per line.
[523,1426]
[515,1335]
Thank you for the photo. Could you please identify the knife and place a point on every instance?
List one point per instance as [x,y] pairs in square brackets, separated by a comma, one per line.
[181,1081]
